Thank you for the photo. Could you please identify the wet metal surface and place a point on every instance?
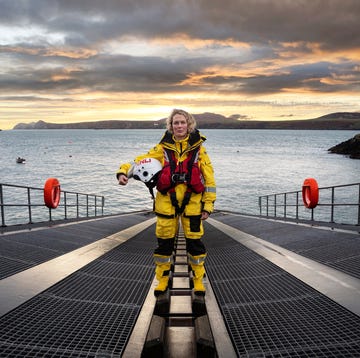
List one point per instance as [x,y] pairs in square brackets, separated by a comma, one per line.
[24,249]
[90,313]
[86,290]
[337,285]
[335,248]
[270,312]
[26,284]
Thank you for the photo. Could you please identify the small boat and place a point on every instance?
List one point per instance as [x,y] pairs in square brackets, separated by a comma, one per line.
[20,160]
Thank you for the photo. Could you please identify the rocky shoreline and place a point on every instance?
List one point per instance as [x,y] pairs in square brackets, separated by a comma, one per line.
[350,147]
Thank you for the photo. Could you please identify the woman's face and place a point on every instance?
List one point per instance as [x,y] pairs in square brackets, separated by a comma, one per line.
[179,126]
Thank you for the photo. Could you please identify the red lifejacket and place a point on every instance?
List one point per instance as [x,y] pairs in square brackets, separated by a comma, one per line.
[185,172]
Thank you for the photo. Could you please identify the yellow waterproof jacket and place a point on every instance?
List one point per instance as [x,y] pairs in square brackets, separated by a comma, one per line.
[198,202]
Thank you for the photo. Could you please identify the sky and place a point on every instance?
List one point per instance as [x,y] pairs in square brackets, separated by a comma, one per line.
[67,61]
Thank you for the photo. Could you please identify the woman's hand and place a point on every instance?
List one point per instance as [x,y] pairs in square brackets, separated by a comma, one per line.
[123,179]
[204,215]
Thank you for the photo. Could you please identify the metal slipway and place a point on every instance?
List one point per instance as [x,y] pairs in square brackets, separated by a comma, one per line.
[179,323]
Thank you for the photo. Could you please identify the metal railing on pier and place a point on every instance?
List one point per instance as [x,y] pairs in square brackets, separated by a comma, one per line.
[337,204]
[25,205]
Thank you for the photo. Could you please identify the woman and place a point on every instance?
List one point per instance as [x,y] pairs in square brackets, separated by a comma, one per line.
[185,189]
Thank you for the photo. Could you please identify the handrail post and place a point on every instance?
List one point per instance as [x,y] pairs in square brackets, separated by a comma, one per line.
[87,205]
[95,206]
[359,207]
[260,205]
[77,205]
[285,205]
[297,205]
[332,204]
[65,205]
[103,205]
[275,203]
[29,205]
[267,205]
[2,206]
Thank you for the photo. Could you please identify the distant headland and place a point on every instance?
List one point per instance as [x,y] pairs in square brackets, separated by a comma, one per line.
[334,121]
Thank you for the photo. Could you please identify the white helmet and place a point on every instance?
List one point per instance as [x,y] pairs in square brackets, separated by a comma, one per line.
[146,171]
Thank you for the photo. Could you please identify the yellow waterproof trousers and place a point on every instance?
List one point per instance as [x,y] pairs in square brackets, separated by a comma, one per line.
[167,227]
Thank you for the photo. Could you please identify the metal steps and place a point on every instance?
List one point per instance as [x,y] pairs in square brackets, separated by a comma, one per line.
[180,325]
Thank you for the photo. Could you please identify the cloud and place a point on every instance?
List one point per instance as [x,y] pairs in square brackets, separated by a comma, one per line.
[245,48]
[333,23]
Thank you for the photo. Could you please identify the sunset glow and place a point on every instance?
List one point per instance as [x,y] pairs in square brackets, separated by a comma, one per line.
[80,61]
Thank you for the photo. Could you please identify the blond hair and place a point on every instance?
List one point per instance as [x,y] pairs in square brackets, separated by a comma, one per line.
[189,118]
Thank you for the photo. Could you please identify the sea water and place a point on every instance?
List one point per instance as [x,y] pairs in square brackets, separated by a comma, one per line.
[247,163]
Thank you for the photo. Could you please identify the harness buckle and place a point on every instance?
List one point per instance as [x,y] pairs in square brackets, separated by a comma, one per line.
[179,178]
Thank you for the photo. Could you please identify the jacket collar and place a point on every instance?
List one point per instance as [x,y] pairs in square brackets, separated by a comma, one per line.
[194,139]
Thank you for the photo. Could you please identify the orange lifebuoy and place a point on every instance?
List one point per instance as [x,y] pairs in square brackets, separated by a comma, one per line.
[52,193]
[310,193]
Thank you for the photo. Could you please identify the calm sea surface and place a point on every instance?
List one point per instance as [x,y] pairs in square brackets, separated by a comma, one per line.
[247,163]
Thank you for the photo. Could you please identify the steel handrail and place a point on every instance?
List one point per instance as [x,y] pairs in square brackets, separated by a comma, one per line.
[94,204]
[277,205]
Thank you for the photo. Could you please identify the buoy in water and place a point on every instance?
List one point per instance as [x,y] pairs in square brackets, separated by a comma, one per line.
[20,160]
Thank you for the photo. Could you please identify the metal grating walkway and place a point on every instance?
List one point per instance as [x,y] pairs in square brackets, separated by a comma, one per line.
[270,313]
[93,312]
[337,249]
[89,314]
[22,250]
